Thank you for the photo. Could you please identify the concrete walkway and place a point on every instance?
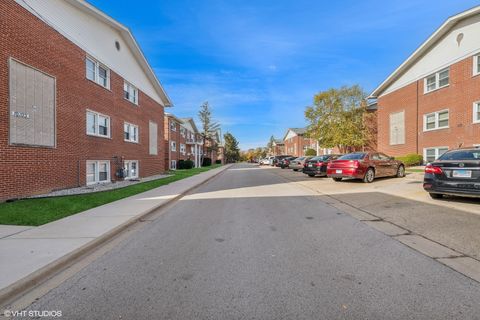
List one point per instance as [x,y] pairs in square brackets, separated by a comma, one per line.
[25,250]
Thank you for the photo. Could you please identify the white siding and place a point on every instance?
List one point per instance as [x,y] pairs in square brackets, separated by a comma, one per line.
[96,38]
[444,53]
[290,134]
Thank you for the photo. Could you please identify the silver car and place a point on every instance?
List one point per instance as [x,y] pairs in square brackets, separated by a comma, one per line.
[298,163]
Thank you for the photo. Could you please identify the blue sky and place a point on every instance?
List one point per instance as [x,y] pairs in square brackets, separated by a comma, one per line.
[259,63]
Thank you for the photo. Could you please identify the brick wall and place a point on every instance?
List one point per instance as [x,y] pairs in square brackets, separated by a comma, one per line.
[33,170]
[458,97]
[295,145]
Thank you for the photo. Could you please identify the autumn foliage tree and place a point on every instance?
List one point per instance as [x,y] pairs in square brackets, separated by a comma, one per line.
[337,119]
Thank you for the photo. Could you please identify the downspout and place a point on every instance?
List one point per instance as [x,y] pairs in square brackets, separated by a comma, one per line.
[417,133]
[169,145]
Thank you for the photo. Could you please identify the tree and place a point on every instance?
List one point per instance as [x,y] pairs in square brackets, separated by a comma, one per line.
[232,152]
[270,144]
[337,119]
[310,152]
[209,127]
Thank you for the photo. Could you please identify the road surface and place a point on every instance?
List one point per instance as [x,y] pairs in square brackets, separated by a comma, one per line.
[251,245]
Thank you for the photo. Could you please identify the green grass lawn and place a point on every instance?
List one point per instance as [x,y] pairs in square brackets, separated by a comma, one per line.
[35,212]
[415,170]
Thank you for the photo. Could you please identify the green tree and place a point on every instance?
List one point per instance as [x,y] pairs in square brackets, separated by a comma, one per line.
[209,127]
[232,152]
[310,152]
[337,119]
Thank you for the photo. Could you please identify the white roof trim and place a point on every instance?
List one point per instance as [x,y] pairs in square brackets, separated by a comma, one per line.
[417,54]
[131,42]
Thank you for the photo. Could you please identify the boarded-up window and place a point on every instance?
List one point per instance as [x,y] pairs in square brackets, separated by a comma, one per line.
[153,132]
[397,128]
[32,106]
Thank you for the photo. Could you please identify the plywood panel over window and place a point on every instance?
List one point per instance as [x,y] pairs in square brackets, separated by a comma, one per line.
[32,106]
[397,128]
[153,132]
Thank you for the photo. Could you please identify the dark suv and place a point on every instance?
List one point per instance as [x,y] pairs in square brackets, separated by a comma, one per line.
[456,172]
[317,166]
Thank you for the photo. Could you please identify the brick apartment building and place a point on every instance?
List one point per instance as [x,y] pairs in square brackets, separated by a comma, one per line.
[278,147]
[79,103]
[431,102]
[182,141]
[296,144]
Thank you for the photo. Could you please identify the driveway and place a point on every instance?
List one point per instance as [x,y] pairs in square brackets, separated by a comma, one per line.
[250,244]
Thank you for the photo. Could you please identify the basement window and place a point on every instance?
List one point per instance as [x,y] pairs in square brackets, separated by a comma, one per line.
[98,172]
[131,169]
[437,80]
[432,154]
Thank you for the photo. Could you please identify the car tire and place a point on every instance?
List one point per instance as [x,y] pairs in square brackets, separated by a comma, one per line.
[337,179]
[436,195]
[369,176]
[400,172]
[311,175]
[295,169]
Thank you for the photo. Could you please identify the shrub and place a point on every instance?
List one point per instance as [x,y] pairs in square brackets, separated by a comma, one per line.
[180,164]
[310,153]
[206,162]
[218,161]
[411,159]
[188,164]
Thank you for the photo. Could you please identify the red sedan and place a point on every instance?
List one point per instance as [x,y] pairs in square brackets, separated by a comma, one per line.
[366,166]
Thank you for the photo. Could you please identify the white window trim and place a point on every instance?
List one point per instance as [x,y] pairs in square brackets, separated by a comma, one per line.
[436,152]
[135,89]
[97,73]
[127,163]
[475,70]
[174,167]
[183,131]
[476,107]
[436,113]
[437,81]
[183,148]
[173,146]
[97,172]
[173,126]
[97,134]
[130,138]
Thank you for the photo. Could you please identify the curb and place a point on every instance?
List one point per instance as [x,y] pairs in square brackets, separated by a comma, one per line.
[18,288]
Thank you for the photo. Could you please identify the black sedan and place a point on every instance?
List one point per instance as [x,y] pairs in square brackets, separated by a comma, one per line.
[456,172]
[317,166]
[285,162]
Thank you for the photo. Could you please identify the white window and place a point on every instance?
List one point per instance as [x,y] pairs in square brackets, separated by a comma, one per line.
[130,92]
[98,124]
[476,112]
[97,72]
[432,154]
[173,126]
[130,132]
[183,148]
[182,131]
[173,165]
[98,172]
[436,120]
[173,146]
[476,64]
[437,80]
[131,169]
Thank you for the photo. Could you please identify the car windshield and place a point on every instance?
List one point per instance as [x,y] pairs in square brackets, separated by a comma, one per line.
[352,156]
[461,155]
[320,158]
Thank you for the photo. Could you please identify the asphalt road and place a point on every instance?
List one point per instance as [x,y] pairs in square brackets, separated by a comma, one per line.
[251,245]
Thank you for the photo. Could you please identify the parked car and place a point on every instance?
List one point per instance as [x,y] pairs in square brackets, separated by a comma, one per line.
[276,160]
[456,172]
[297,164]
[267,161]
[285,162]
[317,166]
[366,166]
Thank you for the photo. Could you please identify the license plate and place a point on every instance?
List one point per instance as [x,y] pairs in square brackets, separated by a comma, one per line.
[462,173]
[338,171]
[310,165]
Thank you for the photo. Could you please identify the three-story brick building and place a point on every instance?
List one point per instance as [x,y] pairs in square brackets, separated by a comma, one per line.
[79,103]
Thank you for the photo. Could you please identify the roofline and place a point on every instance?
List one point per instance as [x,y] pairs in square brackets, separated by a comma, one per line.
[169,115]
[423,48]
[131,42]
[192,122]
[292,129]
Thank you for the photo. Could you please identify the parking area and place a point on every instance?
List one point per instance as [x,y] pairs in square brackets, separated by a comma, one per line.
[453,222]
